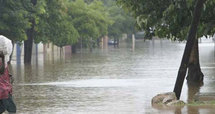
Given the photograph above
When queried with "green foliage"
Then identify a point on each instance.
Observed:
(13, 21)
(54, 25)
(207, 20)
(91, 20)
(119, 21)
(101, 16)
(63, 22)
(35, 13)
(170, 18)
(122, 21)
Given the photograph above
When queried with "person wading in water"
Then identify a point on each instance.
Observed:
(6, 101)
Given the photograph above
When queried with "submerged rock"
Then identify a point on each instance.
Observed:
(176, 103)
(163, 98)
(168, 99)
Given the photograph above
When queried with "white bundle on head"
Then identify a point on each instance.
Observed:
(6, 47)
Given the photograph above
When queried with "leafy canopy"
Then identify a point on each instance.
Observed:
(13, 21)
(169, 18)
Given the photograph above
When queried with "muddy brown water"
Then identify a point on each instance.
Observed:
(109, 81)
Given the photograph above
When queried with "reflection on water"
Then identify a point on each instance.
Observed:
(107, 81)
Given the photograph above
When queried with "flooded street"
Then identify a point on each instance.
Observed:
(109, 81)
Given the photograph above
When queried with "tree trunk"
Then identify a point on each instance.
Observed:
(117, 43)
(188, 48)
(74, 47)
(91, 45)
(114, 42)
(194, 71)
(98, 42)
(29, 42)
(61, 51)
(193, 88)
(28, 46)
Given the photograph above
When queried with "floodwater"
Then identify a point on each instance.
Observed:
(109, 81)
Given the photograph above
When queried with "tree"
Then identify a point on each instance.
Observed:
(189, 45)
(148, 14)
(101, 16)
(120, 21)
(12, 20)
(34, 8)
(123, 22)
(90, 20)
(50, 22)
(56, 25)
(171, 19)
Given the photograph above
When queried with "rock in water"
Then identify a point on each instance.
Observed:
(164, 98)
(168, 99)
(176, 103)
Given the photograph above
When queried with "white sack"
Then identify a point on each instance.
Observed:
(6, 47)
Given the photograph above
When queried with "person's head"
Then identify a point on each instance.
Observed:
(2, 63)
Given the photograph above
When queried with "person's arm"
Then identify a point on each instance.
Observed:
(2, 63)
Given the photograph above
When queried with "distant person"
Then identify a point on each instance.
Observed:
(6, 101)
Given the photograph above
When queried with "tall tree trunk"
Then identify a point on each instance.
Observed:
(194, 70)
(117, 42)
(98, 42)
(28, 46)
(74, 47)
(188, 48)
(29, 42)
(91, 44)
(114, 42)
(61, 52)
(193, 88)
